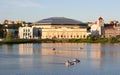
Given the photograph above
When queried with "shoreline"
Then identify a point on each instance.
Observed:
(19, 41)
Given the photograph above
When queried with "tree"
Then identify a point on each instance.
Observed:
(9, 35)
(1, 33)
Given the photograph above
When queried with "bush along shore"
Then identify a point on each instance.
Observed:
(101, 40)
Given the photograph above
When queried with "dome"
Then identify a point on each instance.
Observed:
(59, 20)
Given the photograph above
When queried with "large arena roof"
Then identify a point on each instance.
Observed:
(59, 20)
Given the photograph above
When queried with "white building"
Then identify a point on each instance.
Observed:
(98, 27)
(25, 32)
(61, 28)
(54, 28)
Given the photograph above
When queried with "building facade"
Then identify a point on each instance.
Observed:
(111, 31)
(98, 27)
(63, 33)
(60, 28)
(25, 32)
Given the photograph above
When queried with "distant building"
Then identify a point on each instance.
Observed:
(8, 22)
(20, 22)
(111, 30)
(25, 32)
(28, 32)
(98, 27)
(61, 28)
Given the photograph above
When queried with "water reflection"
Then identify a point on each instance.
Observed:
(98, 57)
(29, 49)
(67, 53)
(26, 49)
(87, 51)
(92, 51)
(26, 62)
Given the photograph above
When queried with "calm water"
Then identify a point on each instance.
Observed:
(40, 59)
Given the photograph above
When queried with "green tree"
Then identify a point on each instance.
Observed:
(1, 33)
(9, 35)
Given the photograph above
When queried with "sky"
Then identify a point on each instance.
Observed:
(83, 10)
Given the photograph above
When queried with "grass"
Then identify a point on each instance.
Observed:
(18, 41)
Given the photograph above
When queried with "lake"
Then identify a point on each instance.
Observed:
(41, 59)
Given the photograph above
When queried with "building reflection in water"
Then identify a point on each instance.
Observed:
(94, 52)
(65, 49)
(64, 53)
(96, 55)
(25, 49)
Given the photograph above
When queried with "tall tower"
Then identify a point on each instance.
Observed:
(100, 23)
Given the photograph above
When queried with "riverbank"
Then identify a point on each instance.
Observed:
(18, 41)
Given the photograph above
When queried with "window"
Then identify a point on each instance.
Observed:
(28, 30)
(23, 30)
(23, 34)
(74, 36)
(28, 34)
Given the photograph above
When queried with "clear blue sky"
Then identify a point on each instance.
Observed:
(83, 10)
